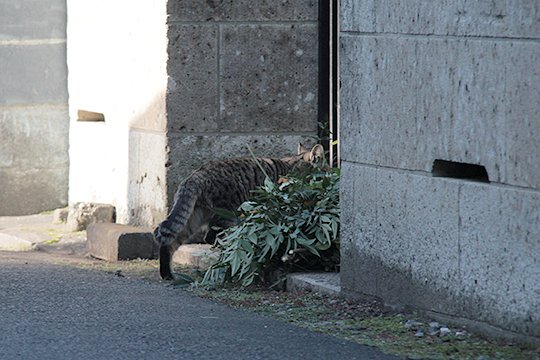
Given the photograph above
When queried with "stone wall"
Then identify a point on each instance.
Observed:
(456, 81)
(240, 72)
(33, 106)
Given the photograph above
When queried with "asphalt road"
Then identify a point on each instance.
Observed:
(60, 312)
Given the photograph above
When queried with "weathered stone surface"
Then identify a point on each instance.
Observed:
(192, 95)
(33, 158)
(60, 215)
(499, 263)
(498, 18)
(269, 77)
(46, 126)
(196, 255)
(462, 100)
(444, 245)
(83, 214)
(31, 191)
(389, 224)
(189, 152)
(33, 74)
(522, 110)
(244, 10)
(114, 242)
(34, 19)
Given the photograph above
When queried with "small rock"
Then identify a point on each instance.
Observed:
(461, 333)
(419, 333)
(60, 216)
(434, 324)
(412, 324)
(444, 331)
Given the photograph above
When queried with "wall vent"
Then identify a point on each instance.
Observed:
(83, 115)
(457, 170)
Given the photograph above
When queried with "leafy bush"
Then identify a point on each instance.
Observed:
(289, 225)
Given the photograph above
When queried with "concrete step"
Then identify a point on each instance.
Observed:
(113, 242)
(323, 282)
(201, 256)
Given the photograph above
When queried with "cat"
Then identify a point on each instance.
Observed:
(223, 184)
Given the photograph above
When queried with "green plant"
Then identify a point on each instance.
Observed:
(293, 223)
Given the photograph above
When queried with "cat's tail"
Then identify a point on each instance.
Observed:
(184, 203)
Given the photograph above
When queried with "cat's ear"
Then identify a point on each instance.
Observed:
(301, 149)
(317, 153)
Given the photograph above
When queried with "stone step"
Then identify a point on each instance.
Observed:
(201, 256)
(115, 242)
(322, 282)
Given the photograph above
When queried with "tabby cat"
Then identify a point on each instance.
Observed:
(221, 184)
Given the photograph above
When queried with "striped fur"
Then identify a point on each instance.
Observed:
(218, 184)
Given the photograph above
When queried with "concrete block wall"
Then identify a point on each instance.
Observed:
(33, 106)
(240, 72)
(455, 81)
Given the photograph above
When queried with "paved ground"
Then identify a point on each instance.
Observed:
(60, 312)
(51, 311)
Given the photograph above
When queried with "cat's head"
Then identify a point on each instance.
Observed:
(306, 156)
(313, 155)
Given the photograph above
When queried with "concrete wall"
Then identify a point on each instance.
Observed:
(33, 106)
(456, 81)
(240, 72)
(117, 57)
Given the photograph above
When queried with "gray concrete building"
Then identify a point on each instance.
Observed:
(33, 106)
(440, 124)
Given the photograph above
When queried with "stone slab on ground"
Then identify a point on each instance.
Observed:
(323, 282)
(14, 243)
(113, 242)
(201, 256)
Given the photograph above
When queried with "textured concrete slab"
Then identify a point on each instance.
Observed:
(33, 19)
(192, 94)
(269, 77)
(243, 10)
(453, 247)
(113, 242)
(499, 262)
(33, 158)
(462, 103)
(196, 255)
(323, 283)
(33, 74)
(497, 18)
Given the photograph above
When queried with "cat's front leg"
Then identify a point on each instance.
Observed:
(165, 260)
